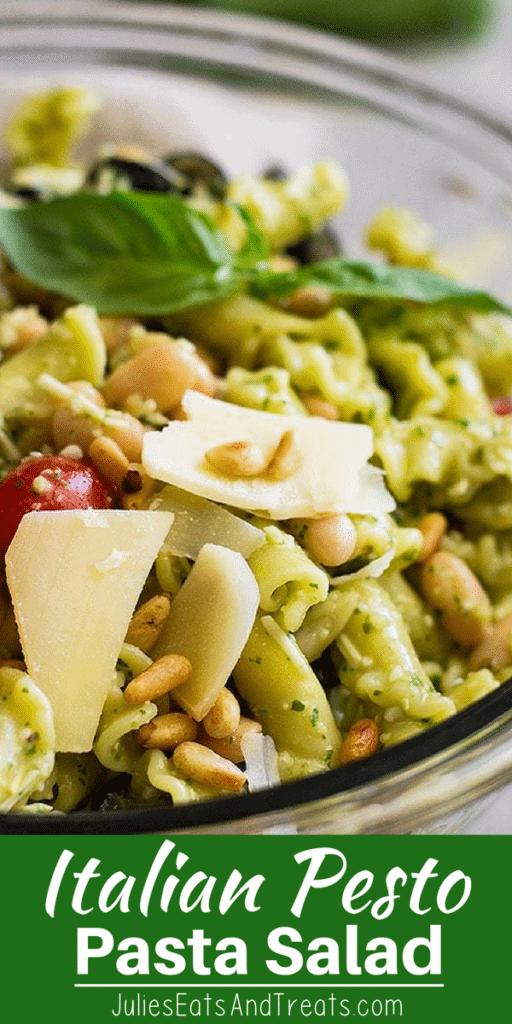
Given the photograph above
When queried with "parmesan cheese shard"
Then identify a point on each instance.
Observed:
(332, 474)
(73, 597)
(209, 623)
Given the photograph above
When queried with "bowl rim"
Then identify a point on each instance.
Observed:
(440, 742)
(302, 40)
(424, 752)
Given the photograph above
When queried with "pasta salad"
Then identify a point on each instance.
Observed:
(255, 498)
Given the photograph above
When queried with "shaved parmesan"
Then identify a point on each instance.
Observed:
(332, 475)
(74, 578)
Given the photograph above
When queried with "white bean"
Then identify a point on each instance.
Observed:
(70, 427)
(331, 540)
(162, 372)
(495, 651)
(449, 585)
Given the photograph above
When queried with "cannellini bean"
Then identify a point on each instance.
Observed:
(238, 458)
(165, 732)
(433, 526)
(331, 540)
(309, 301)
(80, 429)
(161, 677)
(318, 406)
(223, 717)
(203, 765)
(286, 458)
(21, 327)
(495, 651)
(70, 427)
(449, 585)
(147, 622)
(361, 741)
(115, 330)
(161, 372)
(230, 746)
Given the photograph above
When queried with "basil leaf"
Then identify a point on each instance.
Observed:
(147, 255)
(128, 252)
(377, 281)
(256, 249)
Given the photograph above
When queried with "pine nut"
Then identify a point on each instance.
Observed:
(361, 741)
(449, 585)
(147, 622)
(224, 716)
(161, 677)
(281, 264)
(433, 527)
(72, 451)
(286, 458)
(318, 406)
(136, 487)
(331, 540)
(127, 432)
(109, 459)
(165, 732)
(309, 301)
(230, 746)
(495, 651)
(203, 765)
(238, 458)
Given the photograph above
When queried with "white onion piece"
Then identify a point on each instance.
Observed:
(198, 521)
(372, 570)
(260, 757)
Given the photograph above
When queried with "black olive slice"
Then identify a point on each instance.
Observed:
(197, 170)
(142, 177)
(321, 245)
(275, 173)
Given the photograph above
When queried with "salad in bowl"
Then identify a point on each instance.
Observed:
(255, 496)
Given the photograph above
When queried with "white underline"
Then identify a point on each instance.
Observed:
(259, 984)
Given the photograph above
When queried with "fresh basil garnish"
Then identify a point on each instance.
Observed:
(145, 254)
(127, 252)
(347, 279)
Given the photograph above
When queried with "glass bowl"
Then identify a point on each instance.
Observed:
(251, 93)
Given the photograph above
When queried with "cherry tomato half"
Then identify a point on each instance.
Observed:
(48, 483)
(502, 406)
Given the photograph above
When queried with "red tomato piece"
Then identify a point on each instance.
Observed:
(48, 483)
(502, 406)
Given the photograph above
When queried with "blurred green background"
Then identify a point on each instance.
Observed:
(383, 22)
